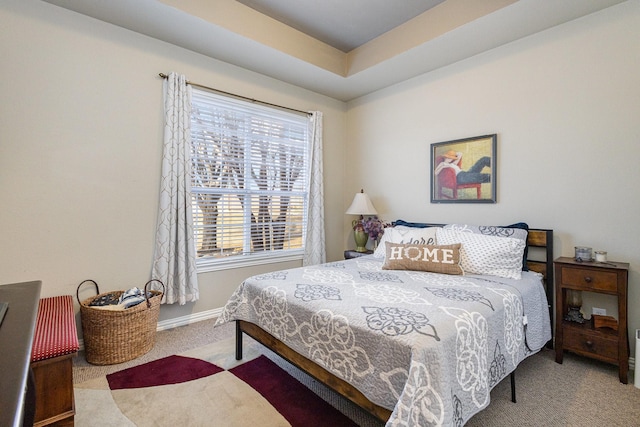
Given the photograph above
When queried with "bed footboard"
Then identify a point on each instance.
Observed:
(322, 375)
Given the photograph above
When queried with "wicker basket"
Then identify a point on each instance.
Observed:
(116, 336)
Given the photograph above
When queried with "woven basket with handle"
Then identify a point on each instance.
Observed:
(116, 336)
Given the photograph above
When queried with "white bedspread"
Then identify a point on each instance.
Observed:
(428, 346)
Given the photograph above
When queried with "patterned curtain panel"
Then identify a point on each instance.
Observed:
(174, 258)
(315, 252)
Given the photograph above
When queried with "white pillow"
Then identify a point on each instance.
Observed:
(404, 234)
(482, 254)
(381, 248)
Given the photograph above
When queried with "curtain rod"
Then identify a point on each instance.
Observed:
(256, 101)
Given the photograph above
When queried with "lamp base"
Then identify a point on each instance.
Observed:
(361, 239)
(574, 315)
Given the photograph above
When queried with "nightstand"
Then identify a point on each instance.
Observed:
(351, 253)
(603, 344)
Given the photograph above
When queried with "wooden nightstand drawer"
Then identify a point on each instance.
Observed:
(585, 342)
(590, 279)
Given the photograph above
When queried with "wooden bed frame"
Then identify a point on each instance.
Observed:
(537, 238)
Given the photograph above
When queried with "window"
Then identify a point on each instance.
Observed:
(250, 181)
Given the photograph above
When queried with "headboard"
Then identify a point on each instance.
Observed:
(543, 239)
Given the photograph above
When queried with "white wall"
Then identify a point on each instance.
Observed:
(81, 125)
(565, 104)
(80, 148)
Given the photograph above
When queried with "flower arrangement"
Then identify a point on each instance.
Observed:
(374, 227)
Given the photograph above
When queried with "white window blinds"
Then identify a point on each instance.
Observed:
(250, 178)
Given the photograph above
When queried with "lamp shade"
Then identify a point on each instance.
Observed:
(361, 205)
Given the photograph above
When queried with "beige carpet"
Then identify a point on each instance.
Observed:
(580, 392)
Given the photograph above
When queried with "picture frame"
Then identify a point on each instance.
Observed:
(464, 170)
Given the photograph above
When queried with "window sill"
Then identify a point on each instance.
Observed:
(208, 265)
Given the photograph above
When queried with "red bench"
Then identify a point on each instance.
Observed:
(55, 343)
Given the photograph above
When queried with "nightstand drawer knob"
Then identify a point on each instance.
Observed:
(588, 279)
(589, 344)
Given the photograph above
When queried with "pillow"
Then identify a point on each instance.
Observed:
(523, 226)
(412, 224)
(519, 230)
(443, 259)
(402, 234)
(485, 254)
(386, 237)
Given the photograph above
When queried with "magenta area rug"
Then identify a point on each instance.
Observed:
(186, 391)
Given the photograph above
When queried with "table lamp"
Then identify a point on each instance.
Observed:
(361, 205)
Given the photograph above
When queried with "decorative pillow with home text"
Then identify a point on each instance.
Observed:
(443, 259)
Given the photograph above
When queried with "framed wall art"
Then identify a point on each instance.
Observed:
(464, 170)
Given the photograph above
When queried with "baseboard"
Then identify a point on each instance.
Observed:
(187, 320)
(163, 325)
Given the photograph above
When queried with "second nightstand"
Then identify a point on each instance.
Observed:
(352, 253)
(603, 344)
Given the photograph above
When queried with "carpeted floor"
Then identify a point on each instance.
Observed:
(96, 406)
(580, 392)
(199, 392)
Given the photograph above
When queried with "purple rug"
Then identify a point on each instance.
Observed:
(290, 397)
(294, 401)
(169, 370)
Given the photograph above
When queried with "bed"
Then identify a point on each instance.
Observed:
(412, 346)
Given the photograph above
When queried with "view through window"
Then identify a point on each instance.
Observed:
(250, 179)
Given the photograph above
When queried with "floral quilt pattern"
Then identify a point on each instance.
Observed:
(429, 347)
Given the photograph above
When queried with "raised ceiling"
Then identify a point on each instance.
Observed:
(342, 24)
(319, 54)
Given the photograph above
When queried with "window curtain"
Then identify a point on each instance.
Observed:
(174, 257)
(315, 252)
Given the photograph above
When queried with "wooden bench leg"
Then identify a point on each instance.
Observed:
(53, 378)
